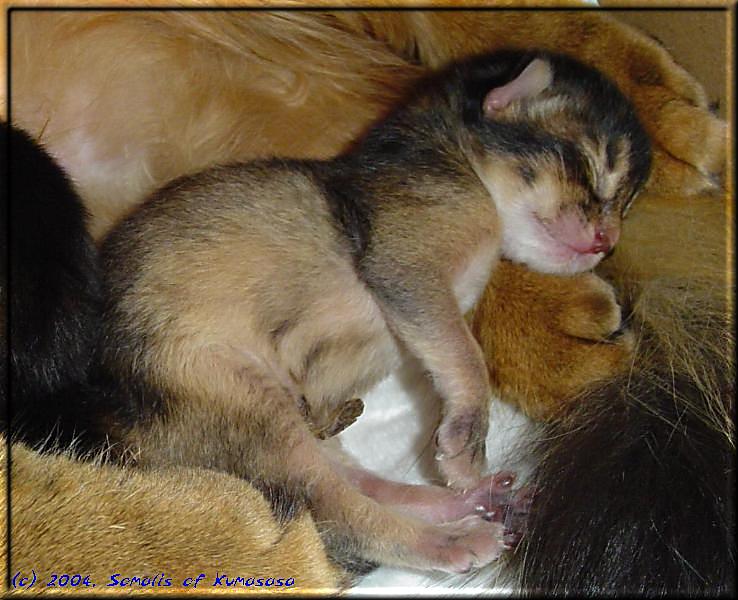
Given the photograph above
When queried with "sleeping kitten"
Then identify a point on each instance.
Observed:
(234, 293)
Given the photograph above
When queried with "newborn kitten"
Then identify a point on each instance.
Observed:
(234, 293)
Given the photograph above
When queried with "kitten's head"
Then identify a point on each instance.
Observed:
(561, 152)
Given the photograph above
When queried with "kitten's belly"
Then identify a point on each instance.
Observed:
(343, 346)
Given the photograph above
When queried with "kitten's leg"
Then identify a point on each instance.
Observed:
(238, 419)
(421, 274)
(494, 499)
(433, 329)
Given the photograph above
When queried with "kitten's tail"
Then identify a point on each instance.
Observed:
(635, 483)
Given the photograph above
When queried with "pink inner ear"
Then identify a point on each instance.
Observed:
(535, 78)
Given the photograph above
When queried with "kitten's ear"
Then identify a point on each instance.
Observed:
(535, 78)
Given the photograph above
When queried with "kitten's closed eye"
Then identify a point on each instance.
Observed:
(550, 222)
(562, 163)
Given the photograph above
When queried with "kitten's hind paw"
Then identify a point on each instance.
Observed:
(463, 545)
(492, 497)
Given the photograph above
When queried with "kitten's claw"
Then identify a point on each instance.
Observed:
(493, 496)
(461, 448)
(515, 519)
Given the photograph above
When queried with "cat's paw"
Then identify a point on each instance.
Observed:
(689, 148)
(689, 142)
(590, 312)
(332, 420)
(460, 447)
(547, 338)
(464, 545)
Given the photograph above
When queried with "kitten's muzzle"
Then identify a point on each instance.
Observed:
(584, 237)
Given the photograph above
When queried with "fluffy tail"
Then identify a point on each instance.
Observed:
(635, 483)
(634, 495)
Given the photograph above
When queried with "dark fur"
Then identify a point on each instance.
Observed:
(54, 300)
(596, 103)
(635, 488)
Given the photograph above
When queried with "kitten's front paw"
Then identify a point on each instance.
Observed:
(548, 338)
(460, 447)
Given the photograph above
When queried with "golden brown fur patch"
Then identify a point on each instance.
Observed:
(100, 520)
(294, 104)
(547, 337)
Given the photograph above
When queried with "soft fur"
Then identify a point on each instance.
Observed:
(348, 259)
(124, 522)
(54, 318)
(54, 304)
(380, 55)
(290, 101)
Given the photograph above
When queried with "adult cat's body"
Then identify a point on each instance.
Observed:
(235, 292)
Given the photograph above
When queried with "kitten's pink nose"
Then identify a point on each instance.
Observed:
(605, 239)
